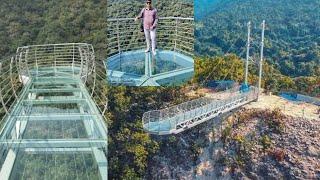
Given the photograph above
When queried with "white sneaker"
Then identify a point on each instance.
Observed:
(154, 52)
(147, 50)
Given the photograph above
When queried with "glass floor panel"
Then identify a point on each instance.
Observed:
(131, 63)
(137, 68)
(52, 86)
(165, 126)
(55, 165)
(49, 71)
(54, 108)
(166, 61)
(54, 131)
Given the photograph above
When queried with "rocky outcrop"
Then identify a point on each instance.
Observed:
(248, 144)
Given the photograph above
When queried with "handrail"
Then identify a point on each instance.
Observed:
(30, 60)
(44, 45)
(169, 17)
(79, 55)
(201, 99)
(175, 115)
(173, 33)
(52, 82)
(9, 70)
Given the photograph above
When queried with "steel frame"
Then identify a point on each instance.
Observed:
(191, 113)
(36, 75)
(174, 34)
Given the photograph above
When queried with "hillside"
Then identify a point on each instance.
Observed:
(254, 142)
(39, 22)
(204, 7)
(231, 67)
(130, 9)
(292, 34)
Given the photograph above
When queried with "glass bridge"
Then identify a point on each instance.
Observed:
(52, 123)
(176, 119)
(128, 64)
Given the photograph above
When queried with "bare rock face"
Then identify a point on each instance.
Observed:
(302, 143)
(294, 153)
(248, 144)
(313, 152)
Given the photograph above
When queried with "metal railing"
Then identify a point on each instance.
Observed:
(33, 60)
(56, 83)
(300, 97)
(10, 86)
(76, 59)
(191, 113)
(173, 33)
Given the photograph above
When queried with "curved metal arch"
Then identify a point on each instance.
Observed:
(29, 58)
(1, 95)
(37, 63)
(55, 55)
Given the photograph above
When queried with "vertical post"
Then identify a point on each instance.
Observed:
(85, 65)
(248, 53)
(150, 64)
(176, 35)
(88, 59)
(146, 66)
(19, 64)
(1, 96)
(55, 60)
(118, 41)
(261, 57)
(36, 57)
(26, 55)
(94, 80)
(81, 58)
(73, 59)
(11, 80)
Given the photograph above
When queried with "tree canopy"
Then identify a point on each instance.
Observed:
(292, 32)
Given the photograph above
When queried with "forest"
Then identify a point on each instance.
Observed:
(130, 9)
(32, 22)
(292, 32)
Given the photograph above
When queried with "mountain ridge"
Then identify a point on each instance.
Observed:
(292, 34)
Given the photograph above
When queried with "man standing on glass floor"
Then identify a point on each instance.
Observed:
(150, 20)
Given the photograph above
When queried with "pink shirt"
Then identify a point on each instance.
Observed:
(150, 18)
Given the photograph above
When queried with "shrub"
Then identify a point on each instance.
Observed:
(226, 133)
(278, 154)
(240, 161)
(172, 140)
(265, 142)
(223, 160)
(213, 133)
(239, 138)
(275, 121)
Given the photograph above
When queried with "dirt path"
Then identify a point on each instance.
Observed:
(290, 108)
